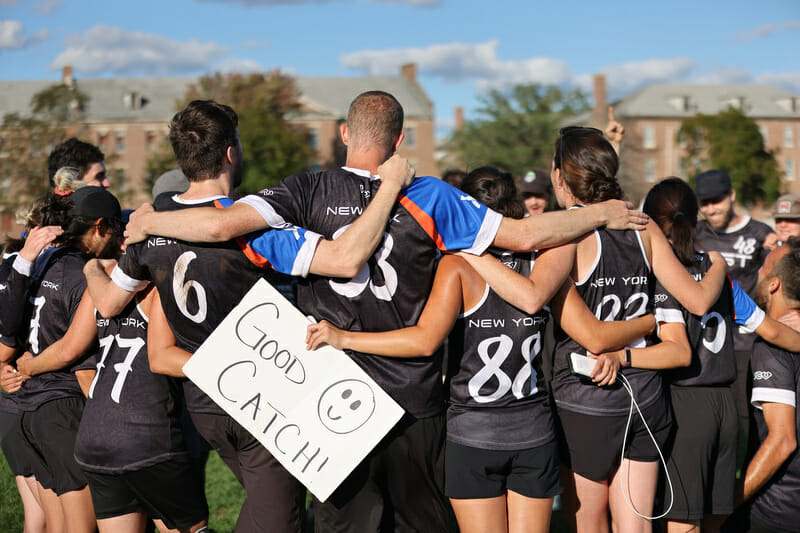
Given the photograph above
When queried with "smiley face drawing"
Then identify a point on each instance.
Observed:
(346, 405)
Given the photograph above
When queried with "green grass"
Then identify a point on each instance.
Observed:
(11, 517)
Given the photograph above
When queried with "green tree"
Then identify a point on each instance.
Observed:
(273, 148)
(732, 142)
(515, 130)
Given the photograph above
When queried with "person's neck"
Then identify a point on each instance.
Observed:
(735, 220)
(220, 186)
(778, 307)
(369, 159)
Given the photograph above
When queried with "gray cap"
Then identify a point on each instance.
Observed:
(711, 184)
(787, 206)
(171, 181)
(536, 181)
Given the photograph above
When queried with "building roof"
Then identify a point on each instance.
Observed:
(681, 101)
(111, 99)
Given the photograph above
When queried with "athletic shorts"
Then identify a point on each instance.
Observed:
(15, 449)
(49, 435)
(472, 473)
(399, 486)
(167, 491)
(702, 453)
(591, 444)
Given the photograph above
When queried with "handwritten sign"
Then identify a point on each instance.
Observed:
(317, 412)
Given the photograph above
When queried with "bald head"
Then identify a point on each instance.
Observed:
(374, 121)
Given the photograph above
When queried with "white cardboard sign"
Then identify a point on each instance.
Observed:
(317, 412)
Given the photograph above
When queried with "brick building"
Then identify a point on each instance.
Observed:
(127, 118)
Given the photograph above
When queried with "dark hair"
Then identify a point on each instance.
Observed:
(787, 269)
(72, 153)
(454, 177)
(496, 190)
(375, 118)
(590, 165)
(200, 135)
(47, 210)
(671, 203)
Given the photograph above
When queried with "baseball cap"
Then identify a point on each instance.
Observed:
(170, 181)
(711, 184)
(787, 206)
(535, 181)
(94, 202)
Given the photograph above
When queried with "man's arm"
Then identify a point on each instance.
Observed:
(560, 227)
(108, 297)
(781, 441)
(164, 357)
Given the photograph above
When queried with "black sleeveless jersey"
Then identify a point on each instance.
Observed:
(710, 335)
(132, 417)
(617, 288)
(55, 289)
(199, 284)
(742, 246)
(390, 291)
(497, 396)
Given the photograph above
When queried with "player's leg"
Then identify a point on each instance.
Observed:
(480, 515)
(34, 514)
(528, 515)
(78, 511)
(53, 512)
(638, 480)
(591, 497)
(534, 480)
(128, 523)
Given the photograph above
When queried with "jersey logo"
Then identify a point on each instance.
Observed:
(50, 285)
(468, 198)
(344, 210)
(761, 375)
(658, 298)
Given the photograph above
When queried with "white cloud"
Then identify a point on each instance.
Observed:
(632, 76)
(454, 62)
(766, 30)
(12, 35)
(235, 64)
(47, 7)
(268, 3)
(254, 44)
(788, 81)
(118, 51)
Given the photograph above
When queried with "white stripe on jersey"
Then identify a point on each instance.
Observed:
(125, 282)
(768, 395)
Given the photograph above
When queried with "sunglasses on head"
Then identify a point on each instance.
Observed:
(565, 131)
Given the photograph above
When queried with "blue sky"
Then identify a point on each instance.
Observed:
(462, 47)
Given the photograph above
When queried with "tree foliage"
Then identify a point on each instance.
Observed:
(732, 142)
(26, 142)
(273, 148)
(516, 130)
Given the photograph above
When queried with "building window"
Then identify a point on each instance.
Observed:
(649, 137)
(763, 130)
(789, 176)
(119, 142)
(411, 137)
(5, 186)
(788, 137)
(313, 137)
(151, 140)
(650, 171)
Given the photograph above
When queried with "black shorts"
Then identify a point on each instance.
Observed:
(15, 449)
(49, 435)
(702, 453)
(591, 444)
(168, 491)
(472, 473)
(398, 487)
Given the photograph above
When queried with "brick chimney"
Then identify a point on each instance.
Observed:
(409, 72)
(66, 76)
(459, 118)
(600, 115)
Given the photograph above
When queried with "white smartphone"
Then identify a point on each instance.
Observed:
(581, 364)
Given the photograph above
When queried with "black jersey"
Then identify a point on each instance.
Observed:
(776, 379)
(199, 284)
(8, 402)
(498, 399)
(390, 291)
(131, 419)
(55, 289)
(710, 336)
(742, 246)
(617, 288)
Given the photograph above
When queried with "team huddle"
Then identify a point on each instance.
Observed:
(595, 352)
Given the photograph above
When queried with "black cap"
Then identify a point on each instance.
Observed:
(535, 182)
(94, 202)
(711, 184)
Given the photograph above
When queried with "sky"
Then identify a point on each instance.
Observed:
(463, 48)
